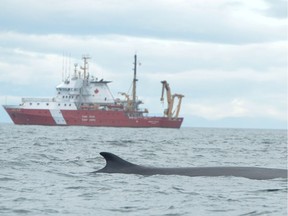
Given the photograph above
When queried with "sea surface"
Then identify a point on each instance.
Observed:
(48, 171)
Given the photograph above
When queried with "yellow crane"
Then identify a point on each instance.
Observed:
(170, 101)
(129, 101)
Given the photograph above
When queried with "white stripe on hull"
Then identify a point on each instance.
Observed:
(58, 117)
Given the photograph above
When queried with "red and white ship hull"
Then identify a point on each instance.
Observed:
(84, 100)
(105, 118)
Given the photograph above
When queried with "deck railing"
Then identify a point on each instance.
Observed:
(38, 100)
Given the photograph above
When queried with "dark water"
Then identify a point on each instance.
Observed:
(47, 171)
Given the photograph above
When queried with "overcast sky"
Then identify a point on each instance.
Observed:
(228, 57)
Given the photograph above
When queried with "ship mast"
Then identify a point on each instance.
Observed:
(85, 67)
(134, 83)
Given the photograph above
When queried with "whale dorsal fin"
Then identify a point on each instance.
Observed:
(114, 163)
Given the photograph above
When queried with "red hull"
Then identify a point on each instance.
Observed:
(100, 118)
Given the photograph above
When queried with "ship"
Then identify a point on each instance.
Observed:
(83, 100)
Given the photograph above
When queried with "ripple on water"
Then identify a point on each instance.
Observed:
(48, 171)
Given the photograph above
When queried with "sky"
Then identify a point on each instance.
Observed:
(228, 57)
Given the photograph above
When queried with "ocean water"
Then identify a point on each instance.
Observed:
(48, 171)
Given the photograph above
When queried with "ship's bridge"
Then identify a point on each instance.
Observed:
(72, 86)
(69, 90)
(84, 91)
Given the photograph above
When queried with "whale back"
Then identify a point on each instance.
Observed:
(115, 164)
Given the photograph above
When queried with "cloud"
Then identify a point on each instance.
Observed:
(276, 9)
(215, 21)
(19, 67)
(237, 107)
(191, 54)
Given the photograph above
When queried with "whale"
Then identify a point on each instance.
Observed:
(115, 164)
